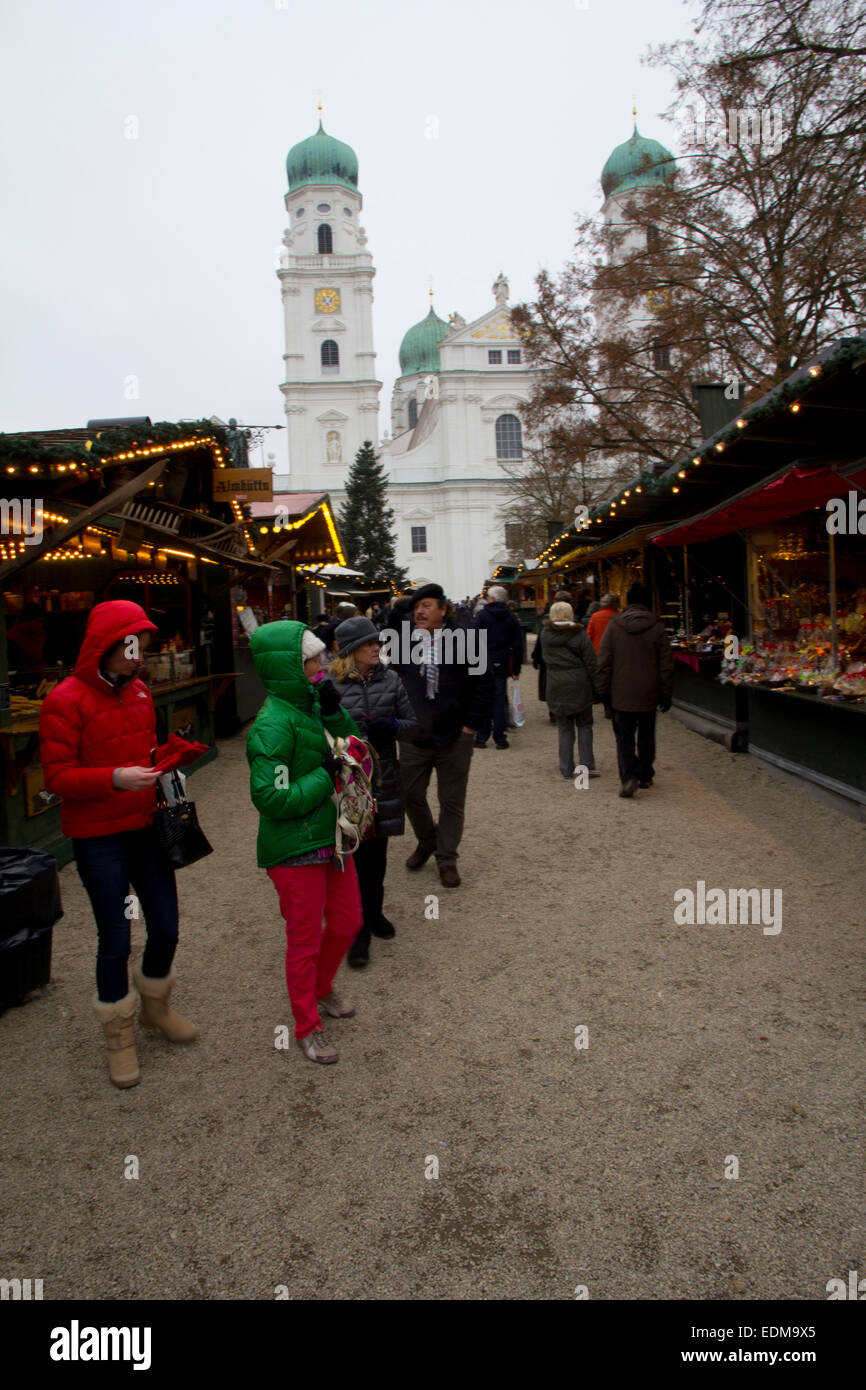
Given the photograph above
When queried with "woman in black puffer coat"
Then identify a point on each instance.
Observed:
(376, 698)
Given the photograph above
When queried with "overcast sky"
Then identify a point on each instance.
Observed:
(154, 257)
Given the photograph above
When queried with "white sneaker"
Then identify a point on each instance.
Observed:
(335, 1006)
(317, 1049)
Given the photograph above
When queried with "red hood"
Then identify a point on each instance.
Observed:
(108, 623)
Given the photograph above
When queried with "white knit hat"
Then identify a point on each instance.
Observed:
(310, 645)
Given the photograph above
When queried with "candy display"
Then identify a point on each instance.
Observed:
(806, 663)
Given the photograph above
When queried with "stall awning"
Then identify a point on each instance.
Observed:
(631, 540)
(794, 489)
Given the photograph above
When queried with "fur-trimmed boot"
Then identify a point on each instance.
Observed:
(118, 1024)
(156, 1012)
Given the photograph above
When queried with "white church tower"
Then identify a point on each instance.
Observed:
(329, 385)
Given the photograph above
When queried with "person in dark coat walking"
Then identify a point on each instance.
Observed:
(504, 639)
(376, 698)
(450, 694)
(635, 675)
(561, 596)
(570, 661)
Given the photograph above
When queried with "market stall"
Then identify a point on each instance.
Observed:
(805, 633)
(297, 531)
(95, 514)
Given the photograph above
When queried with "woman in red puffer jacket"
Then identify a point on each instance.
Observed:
(98, 734)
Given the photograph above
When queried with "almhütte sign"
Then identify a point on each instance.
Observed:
(254, 484)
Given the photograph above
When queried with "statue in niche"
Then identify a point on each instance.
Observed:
(335, 448)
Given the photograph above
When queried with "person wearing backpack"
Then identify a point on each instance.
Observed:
(292, 777)
(376, 698)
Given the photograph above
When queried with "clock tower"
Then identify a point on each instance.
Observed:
(329, 385)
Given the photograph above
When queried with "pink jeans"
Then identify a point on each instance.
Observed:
(313, 954)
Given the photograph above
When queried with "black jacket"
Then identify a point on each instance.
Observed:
(461, 699)
(504, 636)
(382, 696)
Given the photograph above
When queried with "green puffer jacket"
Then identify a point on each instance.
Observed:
(290, 789)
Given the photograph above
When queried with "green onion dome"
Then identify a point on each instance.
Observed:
(637, 163)
(419, 350)
(322, 159)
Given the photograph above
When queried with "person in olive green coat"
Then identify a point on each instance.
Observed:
(292, 772)
(571, 662)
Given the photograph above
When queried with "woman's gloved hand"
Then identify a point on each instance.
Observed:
(329, 696)
(332, 764)
(383, 726)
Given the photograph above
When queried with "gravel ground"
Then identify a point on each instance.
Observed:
(558, 1167)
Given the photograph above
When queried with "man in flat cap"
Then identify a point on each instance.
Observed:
(450, 695)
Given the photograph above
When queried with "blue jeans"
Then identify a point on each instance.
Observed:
(107, 865)
(500, 703)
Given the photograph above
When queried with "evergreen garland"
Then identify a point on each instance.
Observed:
(654, 484)
(105, 444)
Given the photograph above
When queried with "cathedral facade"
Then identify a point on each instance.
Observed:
(456, 429)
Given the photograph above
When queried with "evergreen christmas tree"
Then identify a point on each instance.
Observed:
(367, 522)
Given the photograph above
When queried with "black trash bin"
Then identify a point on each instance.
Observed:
(29, 907)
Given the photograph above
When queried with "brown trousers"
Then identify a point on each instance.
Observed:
(452, 775)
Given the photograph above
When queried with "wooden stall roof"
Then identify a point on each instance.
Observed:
(814, 414)
(301, 524)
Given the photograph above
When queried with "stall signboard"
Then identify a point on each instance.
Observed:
(250, 484)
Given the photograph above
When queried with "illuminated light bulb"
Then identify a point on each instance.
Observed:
(795, 407)
(741, 424)
(814, 371)
(720, 447)
(638, 489)
(676, 489)
(682, 473)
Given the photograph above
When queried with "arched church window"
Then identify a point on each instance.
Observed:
(334, 446)
(509, 438)
(326, 240)
(330, 356)
(661, 355)
(413, 412)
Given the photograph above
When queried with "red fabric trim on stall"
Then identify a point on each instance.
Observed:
(795, 491)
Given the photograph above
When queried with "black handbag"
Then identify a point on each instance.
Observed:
(177, 827)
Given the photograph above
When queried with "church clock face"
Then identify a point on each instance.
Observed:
(327, 301)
